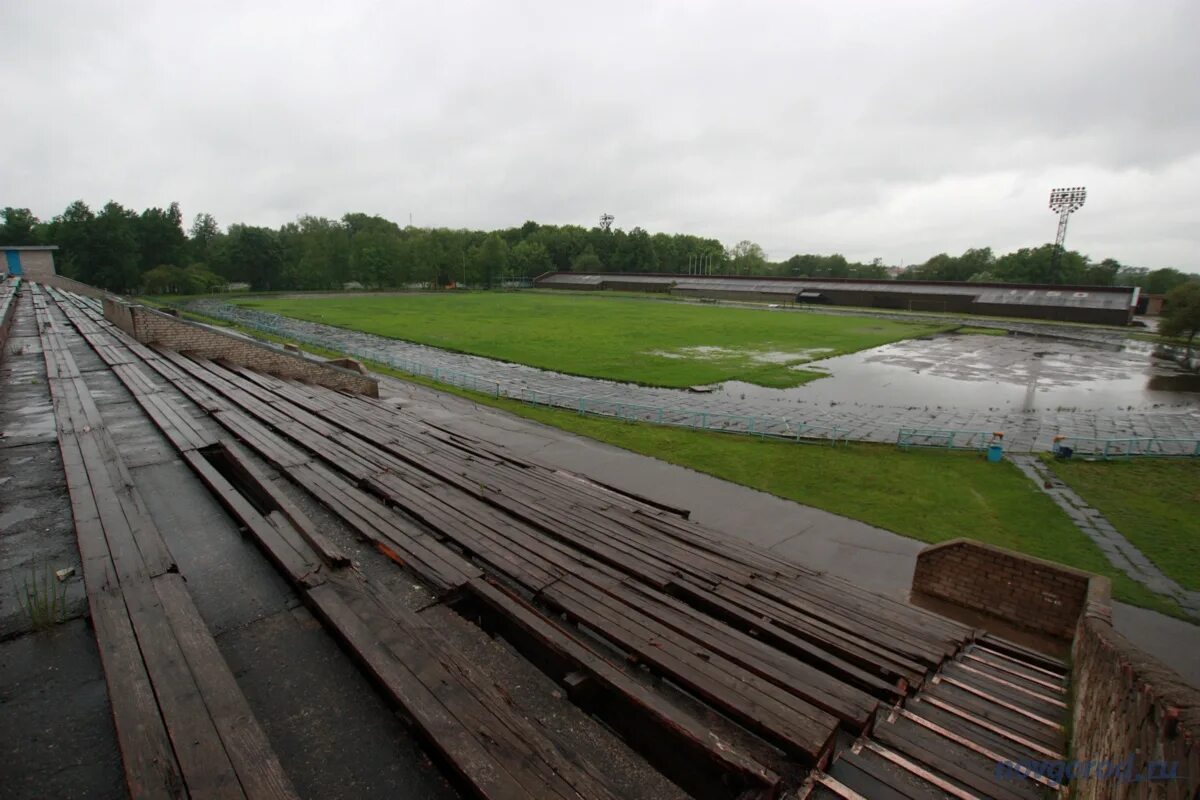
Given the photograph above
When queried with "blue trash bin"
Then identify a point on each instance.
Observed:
(995, 452)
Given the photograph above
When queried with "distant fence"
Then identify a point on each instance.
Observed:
(945, 438)
(1133, 447)
(763, 427)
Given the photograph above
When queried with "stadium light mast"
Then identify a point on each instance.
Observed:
(1064, 202)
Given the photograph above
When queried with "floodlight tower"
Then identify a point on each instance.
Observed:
(1064, 202)
(606, 221)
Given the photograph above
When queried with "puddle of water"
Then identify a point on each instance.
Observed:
(760, 356)
(988, 372)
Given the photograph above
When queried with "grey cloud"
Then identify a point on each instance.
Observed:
(886, 129)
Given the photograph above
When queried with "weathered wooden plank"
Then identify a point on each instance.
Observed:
(460, 749)
(801, 729)
(300, 565)
(251, 476)
(950, 759)
(158, 656)
(258, 769)
(683, 747)
(151, 769)
(404, 543)
(523, 751)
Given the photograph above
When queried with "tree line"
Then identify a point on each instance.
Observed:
(150, 251)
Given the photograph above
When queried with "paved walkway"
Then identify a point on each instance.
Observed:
(1024, 432)
(1120, 552)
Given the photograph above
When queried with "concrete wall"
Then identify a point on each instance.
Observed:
(1028, 592)
(71, 285)
(154, 327)
(1127, 703)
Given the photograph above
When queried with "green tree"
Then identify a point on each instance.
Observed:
(530, 259)
(72, 232)
(587, 261)
(1181, 312)
(491, 259)
(315, 253)
(747, 258)
(198, 280)
(373, 256)
(114, 252)
(201, 235)
(1036, 265)
(258, 257)
(20, 227)
(634, 252)
(1162, 281)
(1102, 274)
(160, 236)
(163, 279)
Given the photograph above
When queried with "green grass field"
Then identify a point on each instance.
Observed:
(1154, 503)
(671, 344)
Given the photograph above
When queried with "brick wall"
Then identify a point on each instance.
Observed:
(8, 309)
(1124, 702)
(154, 327)
(1128, 703)
(120, 313)
(1028, 592)
(37, 264)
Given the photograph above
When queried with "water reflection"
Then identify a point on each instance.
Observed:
(991, 372)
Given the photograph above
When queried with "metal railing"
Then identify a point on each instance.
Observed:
(763, 427)
(1133, 447)
(945, 438)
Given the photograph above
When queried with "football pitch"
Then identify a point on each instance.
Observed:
(617, 338)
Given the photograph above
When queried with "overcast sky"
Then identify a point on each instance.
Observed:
(888, 129)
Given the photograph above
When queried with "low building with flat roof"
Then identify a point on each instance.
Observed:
(28, 261)
(1108, 305)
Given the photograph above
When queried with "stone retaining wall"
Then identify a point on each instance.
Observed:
(154, 327)
(1028, 592)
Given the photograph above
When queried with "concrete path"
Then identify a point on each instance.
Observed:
(1024, 432)
(1120, 552)
(873, 558)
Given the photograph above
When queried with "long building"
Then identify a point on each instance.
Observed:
(1107, 305)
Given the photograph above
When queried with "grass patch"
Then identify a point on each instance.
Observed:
(973, 331)
(43, 598)
(1154, 503)
(671, 344)
(928, 495)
